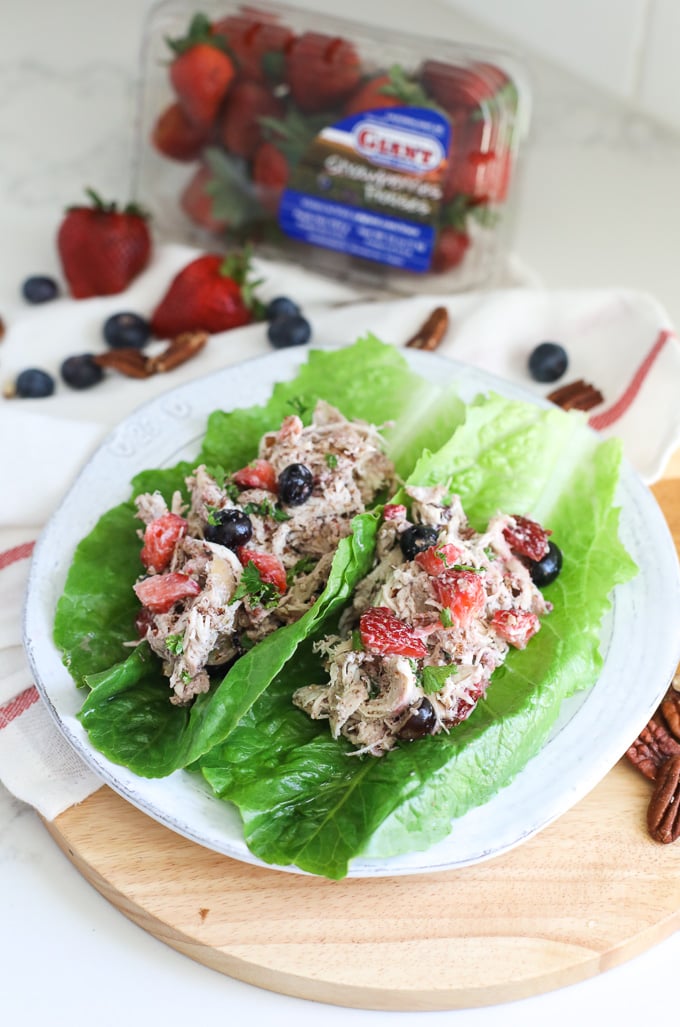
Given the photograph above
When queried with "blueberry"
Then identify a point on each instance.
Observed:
(423, 721)
(233, 529)
(546, 570)
(280, 307)
(81, 372)
(126, 329)
(295, 484)
(34, 384)
(417, 539)
(39, 289)
(548, 362)
(288, 330)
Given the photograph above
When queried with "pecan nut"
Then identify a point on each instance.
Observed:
(663, 813)
(180, 349)
(578, 395)
(653, 747)
(670, 708)
(431, 332)
(127, 360)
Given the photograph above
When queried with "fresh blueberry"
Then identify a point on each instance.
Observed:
(34, 384)
(280, 307)
(81, 372)
(295, 484)
(548, 362)
(546, 570)
(417, 539)
(289, 330)
(39, 289)
(126, 329)
(233, 529)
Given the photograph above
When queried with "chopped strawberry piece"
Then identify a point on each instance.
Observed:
(258, 475)
(143, 621)
(162, 591)
(271, 570)
(160, 538)
(394, 512)
(527, 538)
(437, 559)
(515, 626)
(462, 593)
(381, 632)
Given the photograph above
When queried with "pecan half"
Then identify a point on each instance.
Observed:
(652, 748)
(180, 349)
(663, 814)
(431, 332)
(127, 360)
(670, 709)
(578, 395)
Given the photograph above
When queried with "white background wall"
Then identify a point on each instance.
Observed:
(630, 48)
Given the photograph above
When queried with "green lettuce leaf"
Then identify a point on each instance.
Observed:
(128, 714)
(305, 801)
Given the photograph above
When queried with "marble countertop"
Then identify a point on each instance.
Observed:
(598, 208)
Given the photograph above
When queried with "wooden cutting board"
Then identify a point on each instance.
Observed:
(587, 893)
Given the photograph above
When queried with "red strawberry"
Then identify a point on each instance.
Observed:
(175, 136)
(160, 538)
(479, 175)
(515, 626)
(321, 71)
(240, 129)
(459, 89)
(462, 593)
(394, 512)
(206, 295)
(256, 42)
(449, 249)
(197, 202)
(527, 538)
(270, 568)
(372, 95)
(436, 559)
(381, 632)
(101, 248)
(270, 175)
(201, 73)
(258, 475)
(162, 591)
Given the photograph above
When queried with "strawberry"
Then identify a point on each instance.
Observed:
(239, 129)
(462, 593)
(176, 137)
(259, 474)
(257, 44)
(201, 73)
(162, 591)
(209, 294)
(437, 559)
(197, 201)
(527, 538)
(101, 248)
(160, 538)
(391, 89)
(515, 626)
(271, 172)
(271, 569)
(478, 174)
(321, 71)
(461, 89)
(394, 512)
(382, 632)
(449, 249)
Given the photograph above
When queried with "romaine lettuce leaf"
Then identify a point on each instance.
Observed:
(305, 801)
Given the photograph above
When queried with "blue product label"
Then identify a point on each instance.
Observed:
(370, 186)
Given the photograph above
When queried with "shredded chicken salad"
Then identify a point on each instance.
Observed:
(430, 623)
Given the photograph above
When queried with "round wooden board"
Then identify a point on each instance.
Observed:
(587, 893)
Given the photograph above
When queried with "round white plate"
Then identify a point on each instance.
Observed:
(640, 642)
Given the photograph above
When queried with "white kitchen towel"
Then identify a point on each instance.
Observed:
(619, 341)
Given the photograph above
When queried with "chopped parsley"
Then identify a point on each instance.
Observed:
(232, 490)
(266, 509)
(303, 566)
(252, 587)
(175, 644)
(213, 515)
(331, 460)
(357, 644)
(445, 617)
(465, 567)
(186, 677)
(300, 405)
(434, 678)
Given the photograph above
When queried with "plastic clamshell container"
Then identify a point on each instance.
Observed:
(363, 153)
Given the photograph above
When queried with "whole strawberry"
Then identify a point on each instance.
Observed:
(321, 71)
(201, 72)
(210, 294)
(102, 249)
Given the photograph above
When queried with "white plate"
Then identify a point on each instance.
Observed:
(640, 641)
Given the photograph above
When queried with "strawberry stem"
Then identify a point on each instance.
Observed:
(200, 31)
(98, 203)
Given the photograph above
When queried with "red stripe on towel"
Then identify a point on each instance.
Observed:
(18, 706)
(11, 556)
(618, 409)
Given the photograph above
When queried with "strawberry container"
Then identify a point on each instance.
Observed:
(384, 159)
